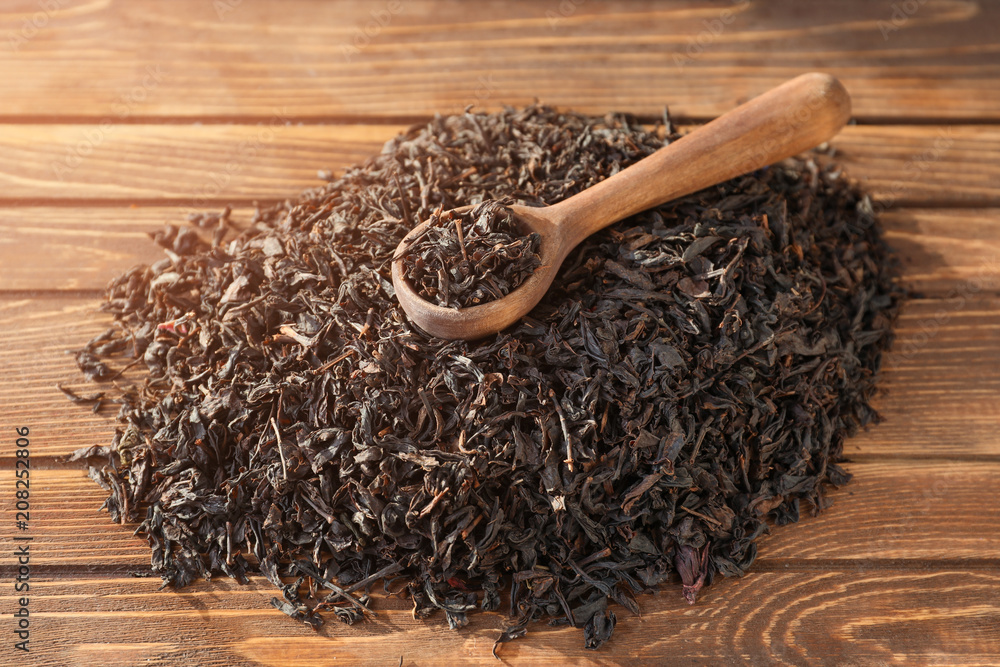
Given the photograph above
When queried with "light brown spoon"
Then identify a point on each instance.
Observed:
(797, 115)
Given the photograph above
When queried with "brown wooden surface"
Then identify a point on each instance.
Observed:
(793, 615)
(190, 166)
(939, 397)
(945, 251)
(890, 512)
(437, 55)
(116, 118)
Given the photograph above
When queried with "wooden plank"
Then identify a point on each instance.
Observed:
(910, 165)
(939, 398)
(926, 509)
(943, 252)
(184, 164)
(191, 166)
(796, 617)
(60, 248)
(946, 252)
(234, 60)
(69, 531)
(894, 510)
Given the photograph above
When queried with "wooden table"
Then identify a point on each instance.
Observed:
(118, 117)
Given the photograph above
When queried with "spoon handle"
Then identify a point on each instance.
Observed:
(797, 115)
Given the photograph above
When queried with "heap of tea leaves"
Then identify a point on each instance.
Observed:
(466, 259)
(692, 374)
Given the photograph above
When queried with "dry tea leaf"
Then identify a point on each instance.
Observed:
(691, 375)
(467, 259)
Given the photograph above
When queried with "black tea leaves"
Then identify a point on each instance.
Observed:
(691, 375)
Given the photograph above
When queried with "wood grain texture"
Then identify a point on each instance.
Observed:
(939, 399)
(187, 165)
(313, 60)
(74, 248)
(69, 531)
(855, 616)
(942, 252)
(193, 166)
(891, 511)
(119, 116)
(946, 252)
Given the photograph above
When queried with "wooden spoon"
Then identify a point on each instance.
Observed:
(797, 115)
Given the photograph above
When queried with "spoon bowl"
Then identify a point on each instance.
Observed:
(797, 115)
(481, 320)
